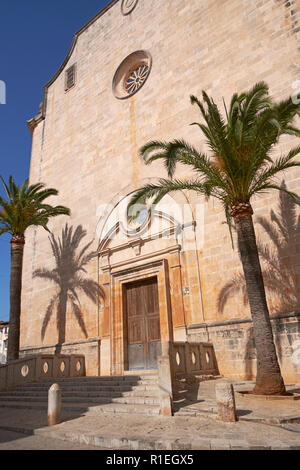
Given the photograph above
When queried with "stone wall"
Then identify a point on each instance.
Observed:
(86, 142)
(235, 346)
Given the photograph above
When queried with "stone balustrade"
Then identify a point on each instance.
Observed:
(192, 358)
(32, 369)
(181, 359)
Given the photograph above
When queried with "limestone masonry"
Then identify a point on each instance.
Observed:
(126, 80)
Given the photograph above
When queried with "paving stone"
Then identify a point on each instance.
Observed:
(139, 431)
(259, 447)
(220, 444)
(201, 444)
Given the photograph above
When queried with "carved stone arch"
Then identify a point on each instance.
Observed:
(182, 218)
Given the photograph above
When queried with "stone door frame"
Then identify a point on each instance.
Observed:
(157, 268)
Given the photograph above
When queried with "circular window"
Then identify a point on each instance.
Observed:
(131, 74)
(128, 6)
(136, 79)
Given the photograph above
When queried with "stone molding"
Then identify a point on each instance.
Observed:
(129, 262)
(71, 343)
(128, 6)
(179, 197)
(237, 321)
(126, 67)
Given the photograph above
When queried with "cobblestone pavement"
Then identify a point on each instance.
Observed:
(10, 440)
(249, 408)
(152, 432)
(180, 432)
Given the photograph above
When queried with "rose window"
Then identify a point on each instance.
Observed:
(131, 74)
(136, 79)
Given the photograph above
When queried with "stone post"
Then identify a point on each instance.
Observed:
(3, 378)
(165, 381)
(54, 405)
(187, 357)
(38, 367)
(226, 402)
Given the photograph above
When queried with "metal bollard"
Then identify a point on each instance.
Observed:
(226, 402)
(54, 405)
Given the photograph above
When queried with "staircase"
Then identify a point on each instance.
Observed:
(188, 393)
(117, 394)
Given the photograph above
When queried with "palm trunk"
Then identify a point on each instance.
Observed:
(269, 380)
(17, 248)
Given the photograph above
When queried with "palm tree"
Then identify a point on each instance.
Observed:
(68, 276)
(23, 208)
(279, 274)
(238, 167)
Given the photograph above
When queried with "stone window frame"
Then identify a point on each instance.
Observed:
(126, 68)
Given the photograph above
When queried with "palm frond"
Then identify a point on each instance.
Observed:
(157, 191)
(25, 206)
(239, 164)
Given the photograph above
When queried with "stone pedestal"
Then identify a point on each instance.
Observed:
(54, 405)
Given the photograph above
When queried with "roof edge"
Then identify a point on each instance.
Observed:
(34, 121)
(76, 35)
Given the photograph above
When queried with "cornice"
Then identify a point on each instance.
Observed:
(32, 123)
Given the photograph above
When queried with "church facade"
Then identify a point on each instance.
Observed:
(116, 291)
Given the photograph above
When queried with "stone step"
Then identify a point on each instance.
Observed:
(113, 379)
(88, 389)
(78, 399)
(80, 393)
(93, 383)
(83, 407)
(212, 412)
(126, 408)
(122, 394)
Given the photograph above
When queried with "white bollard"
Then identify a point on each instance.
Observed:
(54, 405)
(226, 402)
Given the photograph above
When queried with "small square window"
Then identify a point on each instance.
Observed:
(70, 77)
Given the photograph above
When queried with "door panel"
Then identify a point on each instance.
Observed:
(143, 324)
(153, 352)
(136, 359)
(153, 324)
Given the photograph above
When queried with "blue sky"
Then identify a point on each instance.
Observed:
(35, 37)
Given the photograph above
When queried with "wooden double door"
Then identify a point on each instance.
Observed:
(142, 324)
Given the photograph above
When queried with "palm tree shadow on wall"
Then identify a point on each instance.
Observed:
(279, 261)
(68, 275)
